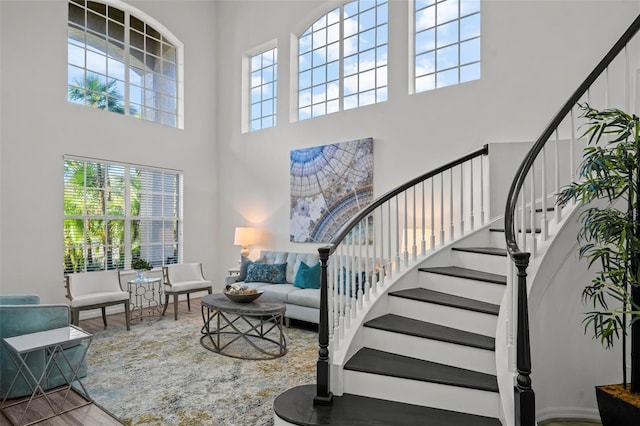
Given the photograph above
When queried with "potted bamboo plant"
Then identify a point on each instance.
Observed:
(610, 241)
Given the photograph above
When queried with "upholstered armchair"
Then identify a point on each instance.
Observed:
(93, 290)
(23, 314)
(183, 278)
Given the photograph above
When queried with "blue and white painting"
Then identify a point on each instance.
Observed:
(329, 185)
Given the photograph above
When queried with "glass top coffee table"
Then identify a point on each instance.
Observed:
(243, 330)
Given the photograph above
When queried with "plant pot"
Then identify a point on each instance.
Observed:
(139, 274)
(615, 411)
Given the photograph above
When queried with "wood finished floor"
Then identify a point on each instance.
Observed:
(93, 415)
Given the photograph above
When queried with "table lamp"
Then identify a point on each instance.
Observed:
(244, 237)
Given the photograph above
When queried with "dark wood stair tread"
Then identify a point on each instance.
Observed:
(527, 230)
(373, 361)
(492, 251)
(296, 406)
(412, 327)
(445, 299)
(471, 274)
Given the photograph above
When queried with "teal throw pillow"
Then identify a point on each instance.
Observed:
(307, 276)
(272, 273)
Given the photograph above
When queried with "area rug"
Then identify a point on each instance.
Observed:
(158, 373)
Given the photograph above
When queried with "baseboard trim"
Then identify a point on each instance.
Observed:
(567, 413)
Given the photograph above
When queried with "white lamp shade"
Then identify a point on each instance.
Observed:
(244, 237)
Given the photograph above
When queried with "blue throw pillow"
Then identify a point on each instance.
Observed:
(307, 276)
(272, 273)
(244, 265)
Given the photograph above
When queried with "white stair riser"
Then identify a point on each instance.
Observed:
(471, 289)
(426, 394)
(497, 239)
(475, 322)
(431, 350)
(479, 261)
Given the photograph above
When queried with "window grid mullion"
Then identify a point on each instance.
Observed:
(127, 215)
(341, 61)
(127, 67)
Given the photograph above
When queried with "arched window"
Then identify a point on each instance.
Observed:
(447, 43)
(342, 59)
(123, 61)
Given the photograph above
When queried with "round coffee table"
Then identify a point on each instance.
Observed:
(243, 330)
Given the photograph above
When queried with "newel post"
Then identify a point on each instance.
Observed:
(323, 395)
(524, 397)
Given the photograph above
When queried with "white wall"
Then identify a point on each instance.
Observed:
(533, 57)
(39, 126)
(560, 348)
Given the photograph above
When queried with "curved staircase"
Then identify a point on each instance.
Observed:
(430, 358)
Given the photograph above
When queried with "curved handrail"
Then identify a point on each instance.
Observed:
(527, 163)
(397, 191)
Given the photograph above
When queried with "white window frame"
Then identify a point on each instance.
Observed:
(154, 195)
(247, 85)
(337, 103)
(130, 11)
(419, 7)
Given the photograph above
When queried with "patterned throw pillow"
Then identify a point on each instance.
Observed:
(244, 265)
(273, 273)
(308, 276)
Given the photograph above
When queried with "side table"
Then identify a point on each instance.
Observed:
(145, 299)
(52, 342)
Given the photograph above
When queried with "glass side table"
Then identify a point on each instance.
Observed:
(52, 342)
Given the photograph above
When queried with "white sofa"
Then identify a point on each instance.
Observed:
(302, 303)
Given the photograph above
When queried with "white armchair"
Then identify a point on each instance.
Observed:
(93, 290)
(183, 278)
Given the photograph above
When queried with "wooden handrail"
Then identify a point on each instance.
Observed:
(399, 190)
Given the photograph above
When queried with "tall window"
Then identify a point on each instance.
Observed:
(362, 51)
(114, 213)
(264, 88)
(447, 43)
(121, 63)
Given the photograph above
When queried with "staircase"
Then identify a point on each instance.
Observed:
(435, 347)
(430, 358)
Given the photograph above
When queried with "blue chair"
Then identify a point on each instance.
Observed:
(23, 314)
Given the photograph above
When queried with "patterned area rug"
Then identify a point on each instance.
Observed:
(159, 374)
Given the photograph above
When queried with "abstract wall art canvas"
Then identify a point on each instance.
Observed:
(329, 185)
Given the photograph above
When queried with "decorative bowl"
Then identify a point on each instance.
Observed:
(243, 298)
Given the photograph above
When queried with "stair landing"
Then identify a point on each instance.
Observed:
(295, 406)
